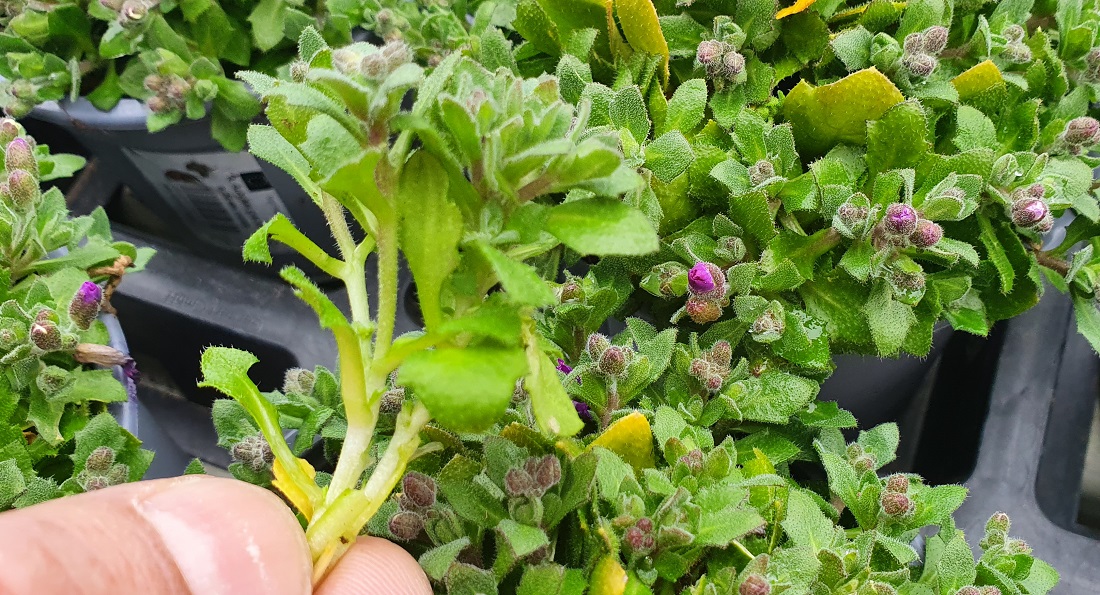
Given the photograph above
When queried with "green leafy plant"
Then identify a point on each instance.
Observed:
(56, 436)
(177, 57)
(485, 180)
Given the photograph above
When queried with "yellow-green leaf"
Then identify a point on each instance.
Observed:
(638, 19)
(631, 438)
(822, 117)
(795, 8)
(982, 87)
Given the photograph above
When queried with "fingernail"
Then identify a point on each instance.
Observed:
(228, 537)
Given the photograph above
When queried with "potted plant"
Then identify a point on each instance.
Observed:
(532, 455)
(149, 88)
(777, 142)
(64, 362)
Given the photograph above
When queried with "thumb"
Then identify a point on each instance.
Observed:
(186, 535)
(375, 566)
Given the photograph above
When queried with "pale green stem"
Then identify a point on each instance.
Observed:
(387, 288)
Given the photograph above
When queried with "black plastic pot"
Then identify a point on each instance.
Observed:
(1032, 442)
(193, 191)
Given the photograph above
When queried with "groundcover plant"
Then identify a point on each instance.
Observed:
(177, 57)
(56, 275)
(760, 188)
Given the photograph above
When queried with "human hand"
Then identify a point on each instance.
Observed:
(189, 535)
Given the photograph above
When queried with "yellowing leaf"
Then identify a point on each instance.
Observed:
(823, 117)
(297, 496)
(608, 577)
(638, 19)
(631, 438)
(795, 8)
(982, 87)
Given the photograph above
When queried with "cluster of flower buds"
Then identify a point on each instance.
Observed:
(610, 360)
(299, 381)
(852, 219)
(19, 191)
(46, 335)
(902, 225)
(254, 452)
(1029, 210)
(640, 539)
(755, 584)
(374, 66)
(131, 13)
(895, 500)
(390, 25)
(1015, 50)
(731, 248)
(1080, 134)
(921, 49)
(972, 590)
(707, 288)
(761, 172)
(996, 536)
(1092, 65)
(169, 92)
(101, 470)
(861, 460)
(769, 326)
(534, 478)
(712, 368)
(721, 60)
(570, 292)
(416, 499)
(84, 307)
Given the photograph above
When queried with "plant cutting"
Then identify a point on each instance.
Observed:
(56, 434)
(177, 58)
(506, 483)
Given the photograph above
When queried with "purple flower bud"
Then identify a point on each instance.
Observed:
(417, 491)
(968, 590)
(897, 483)
(702, 310)
(754, 584)
(84, 306)
(612, 362)
(636, 541)
(119, 473)
(583, 410)
(254, 452)
(699, 279)
(46, 336)
(22, 190)
(998, 522)
(96, 482)
(1045, 224)
(645, 524)
(20, 155)
(101, 459)
(9, 131)
(721, 354)
(709, 51)
(597, 344)
(153, 82)
(1079, 131)
(989, 590)
(714, 383)
(518, 482)
(547, 472)
(935, 39)
(1027, 212)
(913, 43)
(864, 463)
(158, 104)
(919, 65)
(693, 459)
(571, 291)
(406, 526)
(896, 505)
(900, 219)
(699, 368)
(927, 234)
(908, 281)
(392, 401)
(733, 64)
(1018, 546)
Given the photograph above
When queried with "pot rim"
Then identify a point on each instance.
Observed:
(128, 115)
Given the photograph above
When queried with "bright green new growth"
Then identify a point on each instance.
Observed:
(56, 436)
(465, 187)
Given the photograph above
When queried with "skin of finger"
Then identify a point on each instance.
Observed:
(375, 566)
(186, 535)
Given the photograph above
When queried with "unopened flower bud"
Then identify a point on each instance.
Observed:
(1045, 224)
(517, 482)
(998, 522)
(755, 584)
(1027, 212)
(22, 190)
(53, 380)
(101, 459)
(9, 131)
(708, 52)
(132, 12)
(919, 65)
(346, 61)
(864, 463)
(706, 280)
(177, 89)
(547, 472)
(935, 39)
(254, 452)
(900, 219)
(927, 234)
(20, 155)
(968, 590)
(373, 66)
(1018, 546)
(1013, 33)
(850, 219)
(1080, 131)
(761, 171)
(406, 526)
(638, 542)
(768, 327)
(989, 590)
(571, 291)
(597, 344)
(299, 381)
(693, 459)
(396, 53)
(299, 70)
(897, 483)
(913, 43)
(733, 64)
(418, 490)
(702, 310)
(158, 104)
(392, 401)
(95, 482)
(895, 504)
(612, 362)
(854, 451)
(583, 410)
(699, 368)
(721, 354)
(118, 474)
(154, 83)
(1017, 53)
(84, 306)
(46, 336)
